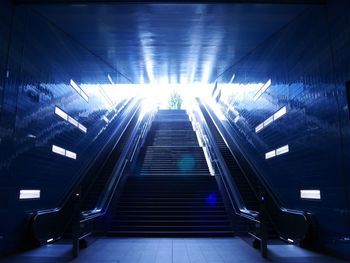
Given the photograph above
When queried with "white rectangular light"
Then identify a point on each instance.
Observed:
(82, 127)
(79, 90)
(262, 90)
(310, 194)
(73, 121)
(259, 127)
(29, 194)
(84, 95)
(282, 150)
(280, 113)
(58, 150)
(75, 86)
(61, 113)
(268, 121)
(105, 119)
(270, 154)
(71, 155)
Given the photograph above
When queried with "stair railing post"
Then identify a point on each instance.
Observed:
(76, 224)
(263, 225)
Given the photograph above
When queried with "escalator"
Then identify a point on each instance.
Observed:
(93, 184)
(281, 222)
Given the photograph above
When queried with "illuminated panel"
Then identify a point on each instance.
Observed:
(58, 150)
(280, 113)
(64, 152)
(310, 194)
(71, 155)
(270, 154)
(271, 119)
(268, 121)
(82, 128)
(70, 119)
(262, 90)
(282, 150)
(79, 90)
(259, 127)
(29, 194)
(61, 113)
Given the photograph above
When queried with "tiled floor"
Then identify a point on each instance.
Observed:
(166, 250)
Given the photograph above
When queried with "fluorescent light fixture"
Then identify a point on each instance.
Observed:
(282, 150)
(29, 194)
(310, 194)
(105, 119)
(280, 113)
(49, 240)
(270, 154)
(271, 119)
(58, 150)
(82, 128)
(236, 119)
(73, 121)
(278, 151)
(70, 119)
(71, 155)
(64, 152)
(262, 90)
(259, 127)
(61, 113)
(79, 90)
(290, 240)
(268, 121)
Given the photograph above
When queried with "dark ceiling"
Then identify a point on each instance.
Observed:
(175, 43)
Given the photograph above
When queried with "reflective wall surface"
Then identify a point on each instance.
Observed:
(305, 108)
(40, 108)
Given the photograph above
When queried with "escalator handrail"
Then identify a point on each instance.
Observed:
(126, 157)
(251, 166)
(128, 107)
(235, 201)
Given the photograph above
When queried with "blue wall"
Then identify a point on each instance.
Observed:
(40, 62)
(308, 62)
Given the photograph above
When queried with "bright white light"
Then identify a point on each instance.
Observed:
(270, 154)
(310, 194)
(282, 150)
(64, 152)
(29, 194)
(82, 128)
(79, 90)
(262, 90)
(61, 113)
(49, 240)
(58, 150)
(236, 119)
(105, 119)
(71, 155)
(73, 121)
(290, 240)
(280, 113)
(268, 121)
(75, 86)
(259, 127)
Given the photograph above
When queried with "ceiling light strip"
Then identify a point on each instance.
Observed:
(64, 152)
(279, 151)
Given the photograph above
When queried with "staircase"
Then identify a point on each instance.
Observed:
(171, 192)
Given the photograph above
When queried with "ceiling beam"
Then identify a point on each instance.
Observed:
(298, 2)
